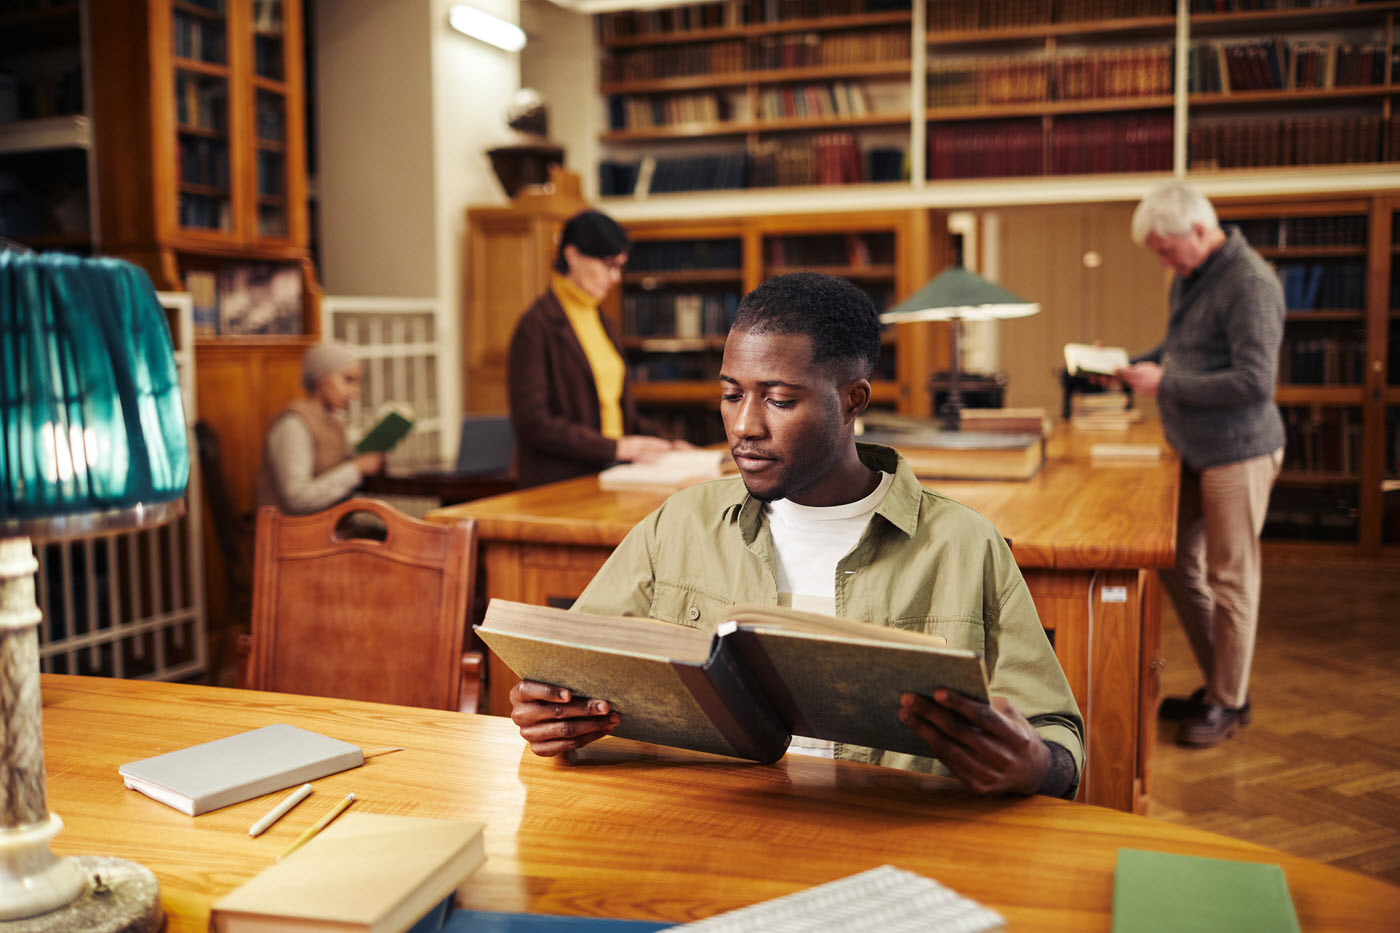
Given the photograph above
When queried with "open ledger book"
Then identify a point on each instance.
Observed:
(1087, 358)
(767, 673)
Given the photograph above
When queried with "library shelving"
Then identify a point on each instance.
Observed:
(45, 126)
(685, 279)
(1336, 261)
(743, 94)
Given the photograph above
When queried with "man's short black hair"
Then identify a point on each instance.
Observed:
(839, 318)
(592, 233)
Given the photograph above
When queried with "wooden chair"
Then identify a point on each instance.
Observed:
(363, 619)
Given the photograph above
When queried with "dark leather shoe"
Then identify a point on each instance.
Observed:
(1176, 709)
(1211, 726)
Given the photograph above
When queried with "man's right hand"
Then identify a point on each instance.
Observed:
(553, 722)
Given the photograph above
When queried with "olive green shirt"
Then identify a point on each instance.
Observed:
(924, 563)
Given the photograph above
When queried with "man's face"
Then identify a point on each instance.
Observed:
(1181, 254)
(783, 417)
(595, 275)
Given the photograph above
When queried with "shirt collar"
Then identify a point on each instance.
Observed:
(900, 506)
(573, 299)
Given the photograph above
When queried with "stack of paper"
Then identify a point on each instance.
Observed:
(673, 470)
(887, 899)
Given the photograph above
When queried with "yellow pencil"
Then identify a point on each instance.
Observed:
(321, 824)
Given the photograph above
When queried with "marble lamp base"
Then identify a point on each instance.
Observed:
(119, 897)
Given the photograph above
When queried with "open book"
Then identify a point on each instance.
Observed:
(395, 422)
(1087, 358)
(767, 673)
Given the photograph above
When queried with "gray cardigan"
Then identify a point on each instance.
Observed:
(1220, 359)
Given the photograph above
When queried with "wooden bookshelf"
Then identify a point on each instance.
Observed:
(685, 278)
(1336, 260)
(1011, 89)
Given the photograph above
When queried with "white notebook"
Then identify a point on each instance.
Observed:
(887, 899)
(239, 767)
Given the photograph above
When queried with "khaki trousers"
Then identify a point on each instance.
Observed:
(1214, 586)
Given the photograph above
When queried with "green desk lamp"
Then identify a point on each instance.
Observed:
(92, 438)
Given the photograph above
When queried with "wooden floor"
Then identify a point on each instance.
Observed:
(1317, 773)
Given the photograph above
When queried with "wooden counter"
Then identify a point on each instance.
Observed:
(630, 831)
(1086, 537)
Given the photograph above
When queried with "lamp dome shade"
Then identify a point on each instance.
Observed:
(92, 426)
(959, 293)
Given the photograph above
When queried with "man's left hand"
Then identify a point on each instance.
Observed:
(991, 748)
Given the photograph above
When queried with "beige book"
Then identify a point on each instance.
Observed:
(1087, 358)
(765, 674)
(366, 872)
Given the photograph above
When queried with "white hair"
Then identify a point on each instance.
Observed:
(1172, 208)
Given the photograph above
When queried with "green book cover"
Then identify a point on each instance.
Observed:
(1157, 892)
(389, 431)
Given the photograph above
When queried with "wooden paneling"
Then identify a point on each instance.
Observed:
(1092, 283)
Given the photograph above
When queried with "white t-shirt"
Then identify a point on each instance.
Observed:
(808, 542)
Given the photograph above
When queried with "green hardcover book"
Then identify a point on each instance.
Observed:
(1157, 892)
(765, 674)
(391, 429)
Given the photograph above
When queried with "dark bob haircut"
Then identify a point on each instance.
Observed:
(592, 233)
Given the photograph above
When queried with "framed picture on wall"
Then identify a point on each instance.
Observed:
(260, 298)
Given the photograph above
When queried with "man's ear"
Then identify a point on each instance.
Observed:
(855, 398)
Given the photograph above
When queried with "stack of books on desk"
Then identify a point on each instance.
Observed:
(1006, 420)
(934, 453)
(1104, 411)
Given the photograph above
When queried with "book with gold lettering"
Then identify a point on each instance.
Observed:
(765, 674)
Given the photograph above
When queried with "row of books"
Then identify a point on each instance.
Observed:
(1286, 232)
(959, 16)
(1332, 361)
(198, 38)
(272, 174)
(204, 161)
(1137, 72)
(858, 250)
(833, 99)
(1132, 143)
(825, 159)
(637, 113)
(201, 102)
(632, 24)
(268, 56)
(204, 212)
(1321, 438)
(1312, 513)
(763, 53)
(1278, 64)
(25, 96)
(1308, 286)
(678, 314)
(1253, 143)
(271, 123)
(1250, 6)
(681, 255)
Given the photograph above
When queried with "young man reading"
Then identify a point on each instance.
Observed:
(821, 523)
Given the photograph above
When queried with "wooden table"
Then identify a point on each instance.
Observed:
(437, 481)
(1087, 537)
(630, 831)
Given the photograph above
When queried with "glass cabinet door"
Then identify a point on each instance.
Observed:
(199, 35)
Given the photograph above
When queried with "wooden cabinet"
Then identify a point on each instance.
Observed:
(45, 127)
(200, 131)
(509, 256)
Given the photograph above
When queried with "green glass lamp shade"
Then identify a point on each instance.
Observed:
(958, 293)
(92, 427)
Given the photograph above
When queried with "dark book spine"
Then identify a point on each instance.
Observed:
(730, 696)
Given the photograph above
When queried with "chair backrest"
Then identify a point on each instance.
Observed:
(359, 618)
(487, 445)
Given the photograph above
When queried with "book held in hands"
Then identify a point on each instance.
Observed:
(395, 422)
(1088, 358)
(765, 674)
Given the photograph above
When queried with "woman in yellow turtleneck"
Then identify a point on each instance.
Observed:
(570, 404)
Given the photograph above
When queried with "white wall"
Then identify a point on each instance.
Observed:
(407, 108)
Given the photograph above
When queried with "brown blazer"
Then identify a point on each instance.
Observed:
(554, 399)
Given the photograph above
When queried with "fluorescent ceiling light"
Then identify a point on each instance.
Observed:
(487, 28)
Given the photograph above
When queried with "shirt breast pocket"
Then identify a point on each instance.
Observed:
(686, 606)
(963, 634)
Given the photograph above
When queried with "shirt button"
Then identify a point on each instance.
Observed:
(694, 613)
